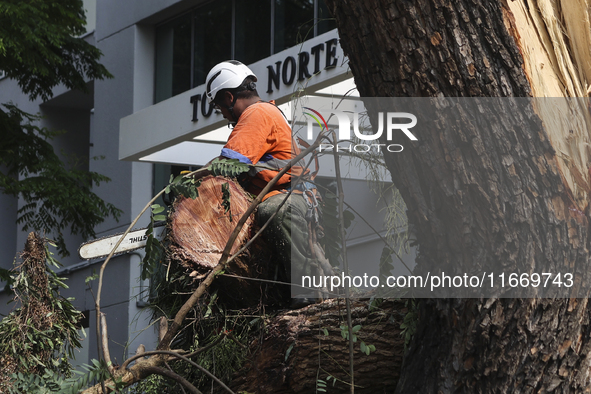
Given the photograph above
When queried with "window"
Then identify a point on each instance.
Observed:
(173, 57)
(188, 46)
(212, 37)
(325, 21)
(294, 23)
(253, 30)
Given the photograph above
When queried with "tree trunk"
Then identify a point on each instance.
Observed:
(198, 231)
(301, 346)
(514, 202)
(201, 227)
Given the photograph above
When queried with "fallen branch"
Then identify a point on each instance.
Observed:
(105, 344)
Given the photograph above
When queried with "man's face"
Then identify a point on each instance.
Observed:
(223, 104)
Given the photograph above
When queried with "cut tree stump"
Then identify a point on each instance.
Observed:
(201, 227)
(198, 232)
(295, 350)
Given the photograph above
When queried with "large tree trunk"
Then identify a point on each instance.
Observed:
(300, 347)
(459, 195)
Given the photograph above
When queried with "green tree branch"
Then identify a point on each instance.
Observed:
(56, 197)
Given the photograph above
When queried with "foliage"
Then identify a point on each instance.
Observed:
(411, 319)
(183, 185)
(38, 338)
(98, 371)
(55, 197)
(321, 384)
(355, 335)
(41, 47)
(153, 384)
(228, 356)
(395, 218)
(227, 167)
(51, 382)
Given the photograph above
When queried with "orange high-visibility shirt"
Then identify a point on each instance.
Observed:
(262, 136)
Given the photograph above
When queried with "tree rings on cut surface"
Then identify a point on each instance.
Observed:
(200, 228)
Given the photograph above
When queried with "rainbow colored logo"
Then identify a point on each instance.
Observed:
(315, 118)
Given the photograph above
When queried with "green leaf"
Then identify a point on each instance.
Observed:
(157, 209)
(348, 218)
(227, 167)
(289, 349)
(159, 218)
(90, 278)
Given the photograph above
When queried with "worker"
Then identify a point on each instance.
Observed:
(261, 135)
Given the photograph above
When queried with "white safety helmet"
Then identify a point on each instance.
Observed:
(226, 75)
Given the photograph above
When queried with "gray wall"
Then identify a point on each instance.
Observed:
(114, 16)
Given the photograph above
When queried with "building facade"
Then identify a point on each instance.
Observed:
(151, 120)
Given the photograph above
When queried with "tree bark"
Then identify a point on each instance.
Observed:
(477, 199)
(301, 346)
